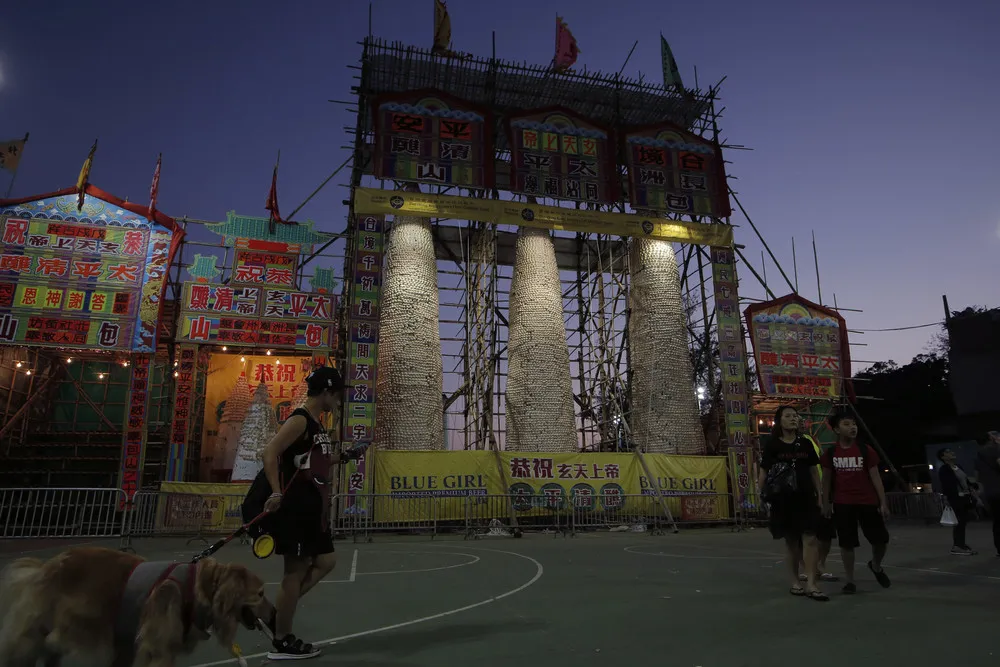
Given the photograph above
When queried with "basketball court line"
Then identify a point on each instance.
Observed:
(539, 571)
(354, 567)
(780, 559)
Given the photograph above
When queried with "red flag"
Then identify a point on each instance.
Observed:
(566, 47)
(272, 200)
(154, 188)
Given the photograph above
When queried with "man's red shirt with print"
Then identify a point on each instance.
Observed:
(852, 484)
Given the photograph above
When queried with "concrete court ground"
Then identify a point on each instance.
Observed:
(708, 598)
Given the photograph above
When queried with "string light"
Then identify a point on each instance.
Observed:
(177, 374)
(224, 348)
(19, 364)
(27, 372)
(69, 360)
(100, 376)
(268, 353)
(176, 363)
(243, 360)
(125, 364)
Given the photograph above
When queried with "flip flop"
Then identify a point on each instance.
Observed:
(797, 591)
(829, 576)
(818, 596)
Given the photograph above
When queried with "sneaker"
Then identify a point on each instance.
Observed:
(880, 576)
(962, 551)
(292, 648)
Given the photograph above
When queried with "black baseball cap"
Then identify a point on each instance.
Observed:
(324, 378)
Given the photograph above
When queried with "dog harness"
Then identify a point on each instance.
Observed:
(141, 582)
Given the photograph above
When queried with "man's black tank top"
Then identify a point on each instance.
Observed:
(306, 462)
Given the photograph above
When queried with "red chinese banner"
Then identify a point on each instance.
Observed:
(134, 445)
(184, 382)
(555, 153)
(252, 316)
(800, 347)
(429, 137)
(73, 284)
(674, 171)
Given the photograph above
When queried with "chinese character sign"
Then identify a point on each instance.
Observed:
(184, 383)
(362, 344)
(137, 409)
(674, 171)
(259, 268)
(429, 137)
(732, 359)
(224, 315)
(95, 284)
(556, 154)
(800, 347)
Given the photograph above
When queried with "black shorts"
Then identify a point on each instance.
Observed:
(794, 517)
(299, 528)
(826, 529)
(847, 519)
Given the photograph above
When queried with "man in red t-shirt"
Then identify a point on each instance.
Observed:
(852, 482)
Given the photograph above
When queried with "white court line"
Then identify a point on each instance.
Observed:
(539, 571)
(475, 559)
(830, 557)
(354, 573)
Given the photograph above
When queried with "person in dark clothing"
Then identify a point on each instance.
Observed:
(958, 493)
(790, 462)
(299, 464)
(854, 495)
(988, 476)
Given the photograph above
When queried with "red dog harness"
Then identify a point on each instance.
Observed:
(141, 583)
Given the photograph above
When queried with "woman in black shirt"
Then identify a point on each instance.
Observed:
(789, 481)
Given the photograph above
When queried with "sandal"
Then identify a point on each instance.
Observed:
(797, 591)
(818, 596)
(292, 648)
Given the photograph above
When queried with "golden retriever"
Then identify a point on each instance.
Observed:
(71, 605)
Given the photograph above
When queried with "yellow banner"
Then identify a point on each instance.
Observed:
(450, 485)
(697, 486)
(197, 508)
(372, 201)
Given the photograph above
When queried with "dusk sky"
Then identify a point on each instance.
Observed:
(872, 123)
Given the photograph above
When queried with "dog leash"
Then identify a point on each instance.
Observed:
(352, 455)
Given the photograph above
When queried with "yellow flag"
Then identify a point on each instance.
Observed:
(442, 26)
(10, 153)
(84, 179)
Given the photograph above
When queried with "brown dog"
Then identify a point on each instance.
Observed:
(119, 609)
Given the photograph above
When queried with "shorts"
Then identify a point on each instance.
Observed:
(847, 519)
(299, 529)
(794, 517)
(826, 529)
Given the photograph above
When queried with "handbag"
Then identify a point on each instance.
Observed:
(781, 480)
(948, 517)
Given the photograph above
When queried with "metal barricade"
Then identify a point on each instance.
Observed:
(195, 516)
(60, 513)
(645, 513)
(926, 507)
(506, 515)
(362, 515)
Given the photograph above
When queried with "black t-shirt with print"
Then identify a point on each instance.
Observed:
(800, 453)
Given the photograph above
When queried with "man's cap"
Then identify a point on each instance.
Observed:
(324, 378)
